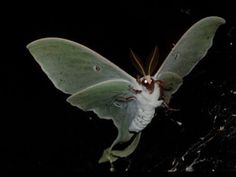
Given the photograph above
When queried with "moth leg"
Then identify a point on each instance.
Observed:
(164, 104)
(125, 99)
(135, 91)
(168, 107)
(171, 109)
(121, 100)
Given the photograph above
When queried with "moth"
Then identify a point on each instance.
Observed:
(96, 84)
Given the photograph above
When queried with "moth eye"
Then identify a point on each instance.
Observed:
(145, 81)
(96, 68)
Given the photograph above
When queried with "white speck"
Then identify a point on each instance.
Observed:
(231, 43)
(112, 169)
(215, 117)
(222, 128)
(234, 115)
(201, 138)
(223, 94)
(189, 169)
(172, 170)
(90, 118)
(179, 123)
(185, 11)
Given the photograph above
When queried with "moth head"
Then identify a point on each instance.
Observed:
(146, 70)
(147, 82)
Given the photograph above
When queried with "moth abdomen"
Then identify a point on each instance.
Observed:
(142, 119)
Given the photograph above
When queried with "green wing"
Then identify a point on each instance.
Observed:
(188, 51)
(72, 66)
(111, 100)
(95, 83)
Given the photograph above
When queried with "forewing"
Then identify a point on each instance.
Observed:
(110, 100)
(192, 47)
(72, 66)
(189, 50)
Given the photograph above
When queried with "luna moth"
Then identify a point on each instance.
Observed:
(96, 84)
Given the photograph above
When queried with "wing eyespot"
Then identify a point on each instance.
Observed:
(96, 68)
(176, 56)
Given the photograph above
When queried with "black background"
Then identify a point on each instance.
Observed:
(41, 132)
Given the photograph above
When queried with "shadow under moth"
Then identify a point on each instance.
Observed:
(96, 84)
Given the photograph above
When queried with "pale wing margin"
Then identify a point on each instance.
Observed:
(108, 100)
(73, 67)
(185, 55)
(191, 48)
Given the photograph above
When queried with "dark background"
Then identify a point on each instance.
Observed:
(41, 132)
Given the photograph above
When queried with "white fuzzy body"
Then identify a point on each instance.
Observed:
(147, 102)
